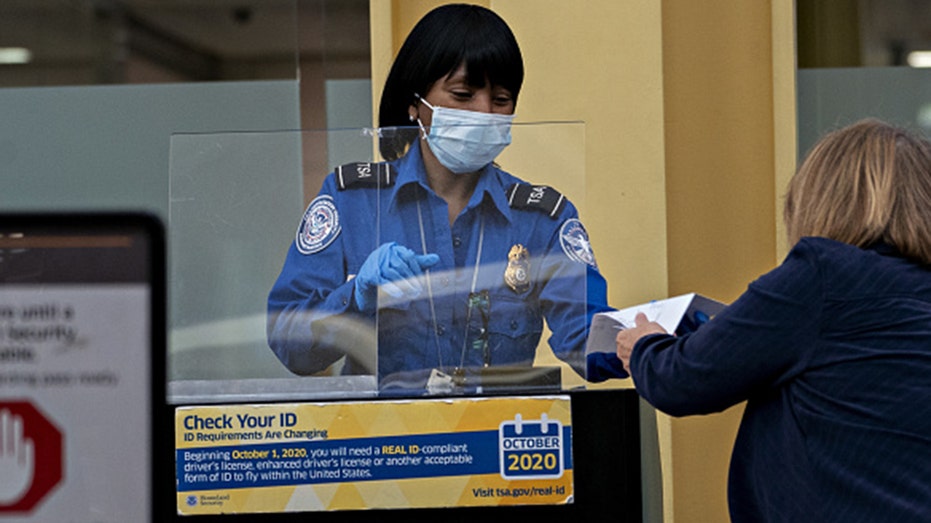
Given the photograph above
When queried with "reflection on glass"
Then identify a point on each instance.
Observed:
(382, 278)
(268, 291)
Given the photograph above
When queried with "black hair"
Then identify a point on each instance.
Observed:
(444, 39)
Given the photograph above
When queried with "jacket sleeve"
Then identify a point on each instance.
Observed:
(754, 345)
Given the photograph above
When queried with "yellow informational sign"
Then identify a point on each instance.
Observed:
(451, 452)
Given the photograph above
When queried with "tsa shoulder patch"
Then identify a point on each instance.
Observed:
(574, 240)
(319, 226)
(364, 175)
(540, 197)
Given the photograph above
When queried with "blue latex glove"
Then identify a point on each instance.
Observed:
(394, 268)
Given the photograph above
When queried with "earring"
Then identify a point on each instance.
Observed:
(411, 117)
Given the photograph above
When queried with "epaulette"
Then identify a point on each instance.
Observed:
(364, 175)
(540, 197)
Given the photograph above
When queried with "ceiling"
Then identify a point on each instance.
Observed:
(189, 36)
(79, 41)
(889, 29)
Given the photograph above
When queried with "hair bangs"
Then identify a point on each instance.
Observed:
(493, 56)
(485, 45)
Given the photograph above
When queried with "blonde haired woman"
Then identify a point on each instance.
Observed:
(831, 350)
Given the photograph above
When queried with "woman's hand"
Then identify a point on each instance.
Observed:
(627, 338)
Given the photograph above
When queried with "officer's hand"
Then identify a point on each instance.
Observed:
(394, 268)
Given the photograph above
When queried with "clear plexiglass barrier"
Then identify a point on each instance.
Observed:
(322, 264)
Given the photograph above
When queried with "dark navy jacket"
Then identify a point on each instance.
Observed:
(833, 351)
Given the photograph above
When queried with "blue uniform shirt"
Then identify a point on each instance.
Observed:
(313, 319)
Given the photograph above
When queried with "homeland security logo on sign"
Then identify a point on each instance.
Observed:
(531, 449)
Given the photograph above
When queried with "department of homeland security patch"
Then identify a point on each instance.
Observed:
(319, 226)
(574, 240)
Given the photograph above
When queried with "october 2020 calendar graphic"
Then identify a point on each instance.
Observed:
(531, 449)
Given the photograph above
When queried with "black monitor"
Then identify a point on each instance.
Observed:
(82, 372)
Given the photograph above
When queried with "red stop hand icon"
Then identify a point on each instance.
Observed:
(30, 457)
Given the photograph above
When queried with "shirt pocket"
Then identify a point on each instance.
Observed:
(514, 329)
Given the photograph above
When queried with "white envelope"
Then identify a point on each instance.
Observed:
(669, 313)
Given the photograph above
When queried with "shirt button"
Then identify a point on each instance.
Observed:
(445, 281)
(514, 325)
(457, 241)
(440, 330)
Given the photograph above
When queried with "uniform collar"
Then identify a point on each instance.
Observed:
(411, 174)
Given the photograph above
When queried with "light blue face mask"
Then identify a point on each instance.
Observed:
(466, 141)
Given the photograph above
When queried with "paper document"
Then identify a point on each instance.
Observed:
(669, 313)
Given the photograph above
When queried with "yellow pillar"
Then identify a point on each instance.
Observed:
(728, 76)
